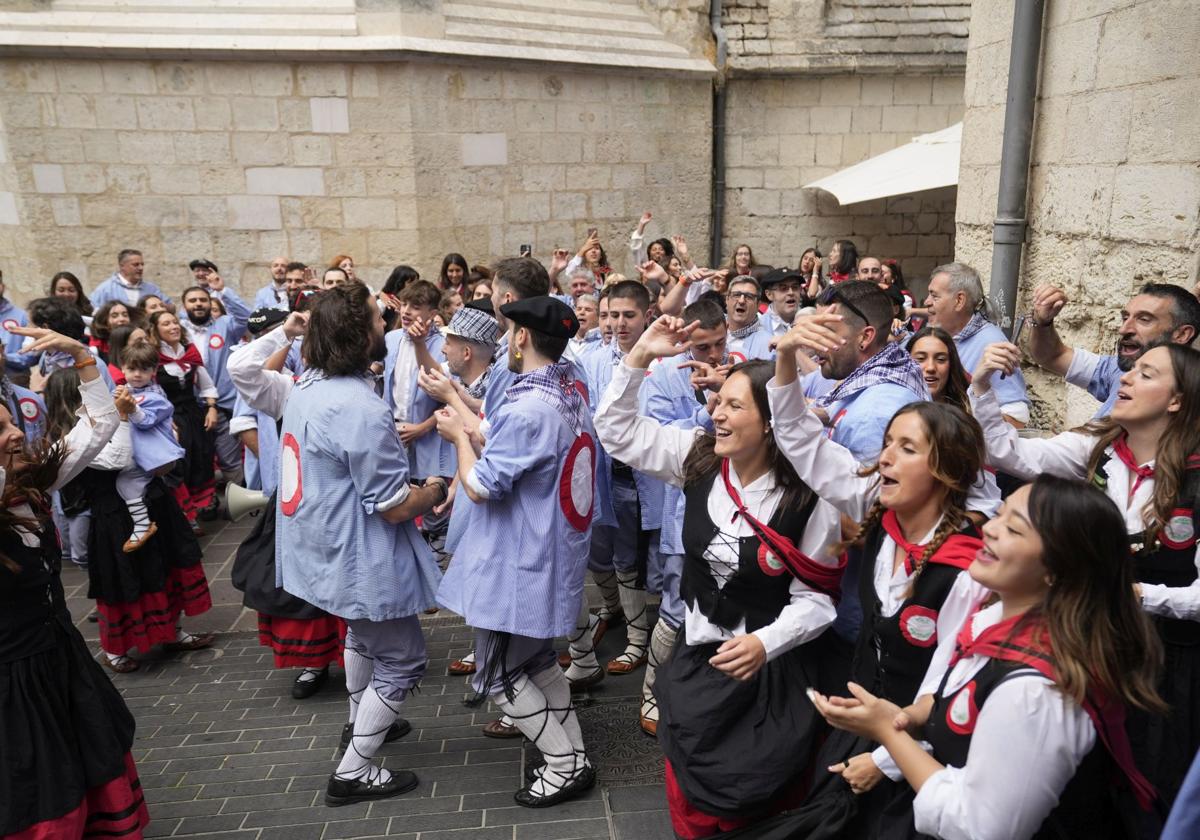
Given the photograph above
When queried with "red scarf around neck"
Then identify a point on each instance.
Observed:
(187, 360)
(958, 550)
(1028, 643)
(1125, 456)
(826, 579)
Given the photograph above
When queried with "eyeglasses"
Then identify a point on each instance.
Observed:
(833, 295)
(742, 296)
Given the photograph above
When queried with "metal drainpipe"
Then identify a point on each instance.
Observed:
(1008, 234)
(716, 228)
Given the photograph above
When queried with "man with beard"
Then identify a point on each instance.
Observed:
(1160, 313)
(216, 338)
(748, 336)
(783, 288)
(956, 303)
(274, 295)
(517, 575)
(345, 539)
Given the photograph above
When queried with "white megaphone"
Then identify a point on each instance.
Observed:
(241, 502)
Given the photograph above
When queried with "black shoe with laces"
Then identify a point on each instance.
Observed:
(302, 689)
(348, 791)
(584, 780)
(395, 732)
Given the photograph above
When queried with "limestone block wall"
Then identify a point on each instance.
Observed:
(390, 162)
(788, 131)
(1114, 187)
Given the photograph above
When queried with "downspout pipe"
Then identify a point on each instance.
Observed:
(716, 227)
(1008, 232)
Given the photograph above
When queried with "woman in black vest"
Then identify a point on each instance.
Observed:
(1146, 457)
(1026, 722)
(758, 583)
(65, 732)
(917, 542)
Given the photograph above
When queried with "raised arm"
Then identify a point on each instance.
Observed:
(266, 390)
(1045, 346)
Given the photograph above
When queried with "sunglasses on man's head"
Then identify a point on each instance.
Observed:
(833, 295)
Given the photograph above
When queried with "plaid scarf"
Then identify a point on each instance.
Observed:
(891, 365)
(745, 332)
(977, 323)
(555, 385)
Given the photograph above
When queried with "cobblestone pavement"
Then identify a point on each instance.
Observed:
(224, 751)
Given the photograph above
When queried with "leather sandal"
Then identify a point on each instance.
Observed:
(124, 665)
(650, 727)
(460, 668)
(132, 545)
(623, 665)
(499, 729)
(194, 641)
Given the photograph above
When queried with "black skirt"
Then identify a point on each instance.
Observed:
(198, 445)
(64, 729)
(254, 573)
(736, 747)
(119, 578)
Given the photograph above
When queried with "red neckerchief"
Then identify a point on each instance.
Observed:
(1028, 642)
(826, 579)
(1125, 456)
(958, 550)
(188, 359)
(100, 344)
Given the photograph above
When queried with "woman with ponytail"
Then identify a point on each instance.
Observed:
(916, 542)
(1145, 457)
(65, 762)
(758, 584)
(1025, 725)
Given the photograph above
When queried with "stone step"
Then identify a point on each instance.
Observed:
(548, 17)
(191, 22)
(595, 9)
(535, 37)
(319, 7)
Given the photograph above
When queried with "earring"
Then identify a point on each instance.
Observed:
(517, 355)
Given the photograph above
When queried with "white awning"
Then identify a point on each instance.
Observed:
(928, 162)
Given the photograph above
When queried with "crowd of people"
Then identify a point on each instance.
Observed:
(861, 597)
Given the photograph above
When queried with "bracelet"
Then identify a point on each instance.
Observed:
(212, 404)
(90, 361)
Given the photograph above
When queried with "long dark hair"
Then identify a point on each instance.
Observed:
(848, 260)
(1099, 633)
(956, 455)
(955, 390)
(62, 401)
(449, 260)
(400, 277)
(1179, 441)
(100, 327)
(339, 335)
(702, 462)
(81, 302)
(117, 340)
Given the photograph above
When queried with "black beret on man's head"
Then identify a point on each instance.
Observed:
(543, 314)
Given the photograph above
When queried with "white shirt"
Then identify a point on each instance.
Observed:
(263, 390)
(1066, 455)
(659, 451)
(205, 387)
(1029, 740)
(402, 378)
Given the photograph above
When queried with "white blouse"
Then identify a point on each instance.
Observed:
(1066, 455)
(205, 387)
(1029, 740)
(659, 451)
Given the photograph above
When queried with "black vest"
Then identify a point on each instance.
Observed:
(1086, 807)
(31, 599)
(893, 652)
(1170, 560)
(759, 589)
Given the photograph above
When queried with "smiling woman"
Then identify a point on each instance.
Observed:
(1146, 458)
(758, 584)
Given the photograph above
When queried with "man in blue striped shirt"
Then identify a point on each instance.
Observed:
(517, 575)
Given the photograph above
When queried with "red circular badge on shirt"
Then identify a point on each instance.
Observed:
(9, 324)
(582, 388)
(291, 484)
(962, 711)
(577, 484)
(736, 358)
(30, 410)
(215, 342)
(769, 562)
(918, 625)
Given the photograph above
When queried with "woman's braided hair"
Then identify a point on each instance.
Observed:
(956, 455)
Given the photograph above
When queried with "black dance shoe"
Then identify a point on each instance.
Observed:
(395, 732)
(303, 689)
(581, 784)
(349, 791)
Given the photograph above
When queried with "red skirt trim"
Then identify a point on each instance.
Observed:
(687, 820)
(151, 619)
(113, 809)
(303, 642)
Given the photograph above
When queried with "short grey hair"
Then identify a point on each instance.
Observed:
(592, 299)
(585, 273)
(960, 277)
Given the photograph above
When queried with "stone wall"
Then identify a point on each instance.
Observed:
(788, 131)
(1114, 186)
(389, 162)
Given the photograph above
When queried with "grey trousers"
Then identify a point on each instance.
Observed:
(397, 651)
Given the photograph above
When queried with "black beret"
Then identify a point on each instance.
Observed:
(778, 275)
(483, 304)
(263, 319)
(544, 314)
(209, 264)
